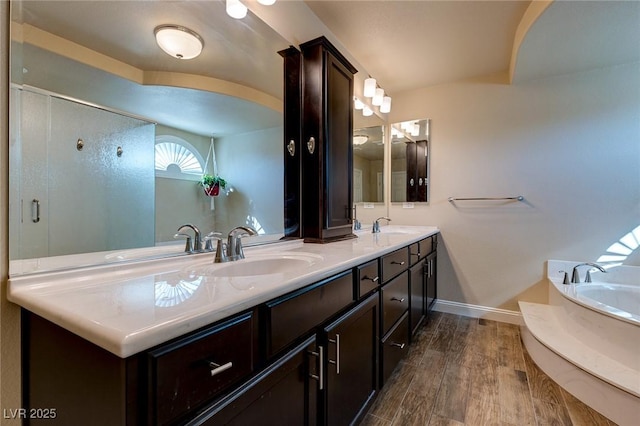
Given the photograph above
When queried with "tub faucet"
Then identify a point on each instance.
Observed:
(234, 242)
(376, 225)
(197, 242)
(575, 276)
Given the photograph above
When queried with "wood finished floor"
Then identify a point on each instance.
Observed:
(465, 371)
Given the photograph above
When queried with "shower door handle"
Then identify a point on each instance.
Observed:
(35, 210)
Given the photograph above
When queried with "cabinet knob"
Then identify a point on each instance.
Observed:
(311, 145)
(291, 147)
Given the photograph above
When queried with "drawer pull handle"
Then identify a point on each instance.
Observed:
(393, 262)
(217, 368)
(397, 345)
(319, 377)
(395, 299)
(416, 254)
(374, 279)
(337, 360)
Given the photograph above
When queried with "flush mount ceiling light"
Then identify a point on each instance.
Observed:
(360, 139)
(235, 9)
(179, 42)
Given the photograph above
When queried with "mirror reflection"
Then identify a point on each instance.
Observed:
(368, 165)
(110, 135)
(410, 161)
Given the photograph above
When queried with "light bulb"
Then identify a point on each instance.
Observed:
(369, 87)
(235, 9)
(377, 97)
(386, 105)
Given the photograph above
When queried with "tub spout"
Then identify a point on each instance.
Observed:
(575, 276)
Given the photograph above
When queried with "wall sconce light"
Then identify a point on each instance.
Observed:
(369, 87)
(385, 108)
(235, 9)
(179, 42)
(357, 104)
(366, 111)
(377, 97)
(360, 139)
(267, 2)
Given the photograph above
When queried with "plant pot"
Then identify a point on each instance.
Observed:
(213, 190)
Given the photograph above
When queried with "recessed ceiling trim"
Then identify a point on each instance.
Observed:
(531, 15)
(68, 49)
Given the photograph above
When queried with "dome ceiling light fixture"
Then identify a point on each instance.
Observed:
(178, 41)
(360, 139)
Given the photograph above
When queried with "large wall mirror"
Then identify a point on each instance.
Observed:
(410, 142)
(109, 134)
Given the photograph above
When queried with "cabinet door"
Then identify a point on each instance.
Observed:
(284, 394)
(339, 150)
(352, 363)
(417, 295)
(431, 280)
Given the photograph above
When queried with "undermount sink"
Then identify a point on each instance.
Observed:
(256, 265)
(386, 230)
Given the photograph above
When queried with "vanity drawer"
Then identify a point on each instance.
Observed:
(428, 245)
(395, 300)
(415, 254)
(394, 263)
(294, 314)
(367, 278)
(190, 371)
(395, 347)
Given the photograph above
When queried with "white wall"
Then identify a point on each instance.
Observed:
(570, 145)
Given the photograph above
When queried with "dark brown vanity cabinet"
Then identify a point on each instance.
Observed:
(394, 305)
(316, 355)
(285, 393)
(351, 344)
(321, 156)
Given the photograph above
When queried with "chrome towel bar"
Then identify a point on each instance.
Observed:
(517, 198)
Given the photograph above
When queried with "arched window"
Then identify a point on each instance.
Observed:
(177, 159)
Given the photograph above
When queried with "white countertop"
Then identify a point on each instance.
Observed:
(128, 308)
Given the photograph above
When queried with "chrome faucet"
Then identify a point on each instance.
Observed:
(575, 276)
(376, 225)
(234, 241)
(356, 223)
(197, 242)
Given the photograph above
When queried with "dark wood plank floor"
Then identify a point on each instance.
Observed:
(474, 372)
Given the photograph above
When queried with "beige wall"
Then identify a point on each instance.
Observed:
(570, 145)
(9, 313)
(252, 163)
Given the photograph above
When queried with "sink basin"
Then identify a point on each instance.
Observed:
(257, 265)
(387, 230)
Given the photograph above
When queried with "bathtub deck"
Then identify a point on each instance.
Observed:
(545, 322)
(605, 379)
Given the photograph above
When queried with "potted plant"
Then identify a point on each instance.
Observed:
(212, 184)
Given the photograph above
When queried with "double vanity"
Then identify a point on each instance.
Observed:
(295, 333)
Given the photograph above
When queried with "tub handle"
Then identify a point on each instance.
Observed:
(565, 280)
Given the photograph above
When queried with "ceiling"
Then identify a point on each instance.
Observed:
(405, 45)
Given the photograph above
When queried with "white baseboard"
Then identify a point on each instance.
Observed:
(475, 311)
